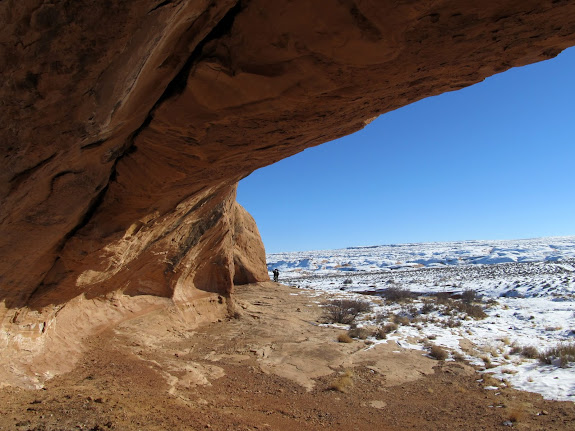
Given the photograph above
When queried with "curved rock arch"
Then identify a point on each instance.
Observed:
(127, 125)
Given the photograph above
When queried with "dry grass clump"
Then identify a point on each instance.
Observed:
(452, 323)
(400, 319)
(530, 352)
(472, 310)
(491, 302)
(489, 380)
(398, 294)
(459, 357)
(486, 360)
(361, 333)
(344, 310)
(516, 414)
(344, 338)
(438, 353)
(343, 382)
(564, 352)
(381, 332)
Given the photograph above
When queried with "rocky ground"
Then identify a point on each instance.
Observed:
(273, 367)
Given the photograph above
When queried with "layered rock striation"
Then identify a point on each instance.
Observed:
(125, 127)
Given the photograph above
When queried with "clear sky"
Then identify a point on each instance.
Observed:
(492, 161)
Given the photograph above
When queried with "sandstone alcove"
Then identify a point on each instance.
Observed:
(125, 127)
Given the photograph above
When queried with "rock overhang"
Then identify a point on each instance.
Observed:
(126, 126)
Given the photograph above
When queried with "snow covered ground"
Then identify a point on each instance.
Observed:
(527, 290)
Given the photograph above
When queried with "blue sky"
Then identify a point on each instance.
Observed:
(492, 161)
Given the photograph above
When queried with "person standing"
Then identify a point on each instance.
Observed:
(276, 275)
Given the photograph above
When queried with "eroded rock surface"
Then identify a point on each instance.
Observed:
(125, 127)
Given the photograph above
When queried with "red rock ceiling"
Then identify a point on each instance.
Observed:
(125, 127)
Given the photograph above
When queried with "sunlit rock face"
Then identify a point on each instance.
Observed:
(125, 127)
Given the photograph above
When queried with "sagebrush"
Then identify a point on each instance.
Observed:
(344, 310)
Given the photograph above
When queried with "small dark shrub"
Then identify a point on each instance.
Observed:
(398, 294)
(492, 302)
(400, 319)
(469, 296)
(344, 310)
(347, 281)
(360, 306)
(474, 311)
(336, 312)
(453, 323)
(381, 332)
(427, 308)
(361, 333)
(438, 353)
(382, 317)
(442, 298)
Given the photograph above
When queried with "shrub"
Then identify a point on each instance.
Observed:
(442, 298)
(564, 352)
(427, 308)
(400, 319)
(515, 349)
(516, 414)
(361, 333)
(412, 310)
(344, 310)
(438, 353)
(459, 357)
(344, 338)
(381, 317)
(486, 360)
(526, 351)
(343, 382)
(492, 302)
(469, 296)
(347, 281)
(381, 333)
(398, 294)
(360, 306)
(452, 323)
(474, 311)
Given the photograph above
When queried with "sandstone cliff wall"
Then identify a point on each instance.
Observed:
(125, 127)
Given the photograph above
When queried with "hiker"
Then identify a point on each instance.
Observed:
(276, 275)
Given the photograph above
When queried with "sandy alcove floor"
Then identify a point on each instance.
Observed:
(273, 368)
